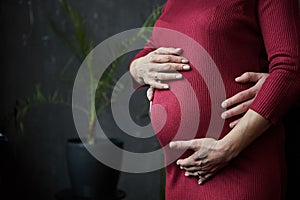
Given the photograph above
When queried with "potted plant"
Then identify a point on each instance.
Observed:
(88, 176)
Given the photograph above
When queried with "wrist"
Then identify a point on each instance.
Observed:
(228, 148)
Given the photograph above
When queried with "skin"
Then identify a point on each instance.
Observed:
(159, 66)
(243, 99)
(216, 154)
(210, 155)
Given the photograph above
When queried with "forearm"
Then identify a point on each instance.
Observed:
(249, 128)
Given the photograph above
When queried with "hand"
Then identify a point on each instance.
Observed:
(158, 67)
(244, 99)
(209, 157)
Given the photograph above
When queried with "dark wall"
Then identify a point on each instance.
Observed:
(31, 53)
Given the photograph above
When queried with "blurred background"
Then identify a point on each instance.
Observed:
(35, 55)
(37, 70)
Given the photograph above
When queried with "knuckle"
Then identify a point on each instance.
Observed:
(158, 59)
(198, 163)
(168, 58)
(168, 66)
(252, 92)
(244, 106)
(243, 95)
(193, 144)
(162, 76)
(152, 58)
(247, 74)
(205, 162)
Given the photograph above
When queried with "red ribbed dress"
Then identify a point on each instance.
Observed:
(240, 36)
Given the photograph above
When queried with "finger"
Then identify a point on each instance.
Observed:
(183, 145)
(169, 67)
(195, 173)
(150, 93)
(203, 179)
(234, 123)
(189, 161)
(169, 50)
(238, 98)
(150, 105)
(249, 77)
(167, 76)
(237, 110)
(156, 84)
(192, 169)
(158, 58)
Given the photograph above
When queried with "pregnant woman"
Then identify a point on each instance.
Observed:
(247, 160)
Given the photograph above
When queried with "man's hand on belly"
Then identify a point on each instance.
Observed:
(241, 101)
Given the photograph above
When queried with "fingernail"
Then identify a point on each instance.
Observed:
(237, 79)
(199, 182)
(179, 76)
(186, 67)
(231, 125)
(166, 87)
(185, 60)
(224, 115)
(181, 167)
(224, 104)
(186, 174)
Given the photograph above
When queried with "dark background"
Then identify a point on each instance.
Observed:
(32, 53)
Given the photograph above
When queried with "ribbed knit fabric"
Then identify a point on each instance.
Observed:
(240, 36)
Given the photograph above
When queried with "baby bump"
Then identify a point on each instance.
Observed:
(186, 111)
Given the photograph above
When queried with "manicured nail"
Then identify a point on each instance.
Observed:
(181, 167)
(199, 182)
(185, 60)
(186, 67)
(166, 87)
(224, 104)
(179, 76)
(237, 79)
(224, 115)
(186, 174)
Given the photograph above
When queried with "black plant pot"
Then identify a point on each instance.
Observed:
(89, 177)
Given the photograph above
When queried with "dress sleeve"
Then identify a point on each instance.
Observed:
(279, 23)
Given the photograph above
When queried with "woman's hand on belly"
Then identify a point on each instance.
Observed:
(159, 66)
(208, 157)
(240, 102)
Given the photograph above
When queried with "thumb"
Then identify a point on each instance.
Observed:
(182, 145)
(248, 77)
